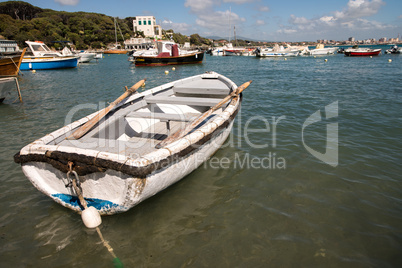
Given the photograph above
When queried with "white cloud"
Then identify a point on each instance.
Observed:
(67, 2)
(286, 31)
(260, 22)
(263, 8)
(359, 8)
(218, 19)
(352, 18)
(176, 27)
(199, 6)
(239, 2)
(298, 20)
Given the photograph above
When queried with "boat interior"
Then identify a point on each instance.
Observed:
(135, 127)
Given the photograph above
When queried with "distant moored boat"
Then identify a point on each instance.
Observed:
(356, 51)
(43, 58)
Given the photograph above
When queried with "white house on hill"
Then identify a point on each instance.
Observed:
(147, 24)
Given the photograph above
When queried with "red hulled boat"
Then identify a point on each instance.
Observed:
(169, 54)
(362, 52)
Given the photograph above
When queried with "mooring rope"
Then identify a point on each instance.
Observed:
(16, 66)
(116, 261)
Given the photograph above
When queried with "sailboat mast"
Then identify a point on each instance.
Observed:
(115, 30)
(230, 26)
(234, 28)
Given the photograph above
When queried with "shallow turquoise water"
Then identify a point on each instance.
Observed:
(262, 200)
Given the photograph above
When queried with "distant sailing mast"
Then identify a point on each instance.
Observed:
(116, 49)
(230, 26)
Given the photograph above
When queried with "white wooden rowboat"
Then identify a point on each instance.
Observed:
(117, 161)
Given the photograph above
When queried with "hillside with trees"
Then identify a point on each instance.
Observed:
(22, 21)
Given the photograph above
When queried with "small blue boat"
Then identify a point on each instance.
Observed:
(44, 59)
(45, 63)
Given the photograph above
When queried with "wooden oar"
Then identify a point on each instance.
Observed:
(182, 132)
(19, 63)
(89, 125)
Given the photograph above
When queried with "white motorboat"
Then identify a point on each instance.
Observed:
(394, 50)
(320, 50)
(277, 51)
(84, 57)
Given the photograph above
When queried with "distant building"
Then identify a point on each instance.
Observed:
(351, 39)
(138, 43)
(382, 40)
(8, 46)
(147, 24)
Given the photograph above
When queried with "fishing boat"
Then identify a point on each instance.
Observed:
(236, 51)
(98, 55)
(10, 66)
(115, 50)
(83, 56)
(168, 54)
(137, 146)
(359, 52)
(44, 58)
(320, 49)
(394, 50)
(277, 51)
(218, 51)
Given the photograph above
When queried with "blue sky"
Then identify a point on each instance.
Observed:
(289, 20)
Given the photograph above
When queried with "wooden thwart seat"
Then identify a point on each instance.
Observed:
(164, 117)
(202, 91)
(191, 101)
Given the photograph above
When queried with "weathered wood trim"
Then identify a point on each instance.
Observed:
(85, 165)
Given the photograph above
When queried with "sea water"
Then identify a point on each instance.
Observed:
(309, 177)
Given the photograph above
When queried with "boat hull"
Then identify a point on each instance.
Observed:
(115, 182)
(234, 52)
(278, 54)
(390, 51)
(163, 61)
(374, 52)
(48, 63)
(114, 192)
(10, 66)
(323, 51)
(115, 51)
(86, 57)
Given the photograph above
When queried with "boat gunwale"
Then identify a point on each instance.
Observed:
(90, 161)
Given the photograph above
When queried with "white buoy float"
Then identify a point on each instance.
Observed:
(286, 59)
(173, 68)
(326, 60)
(389, 60)
(166, 72)
(91, 217)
